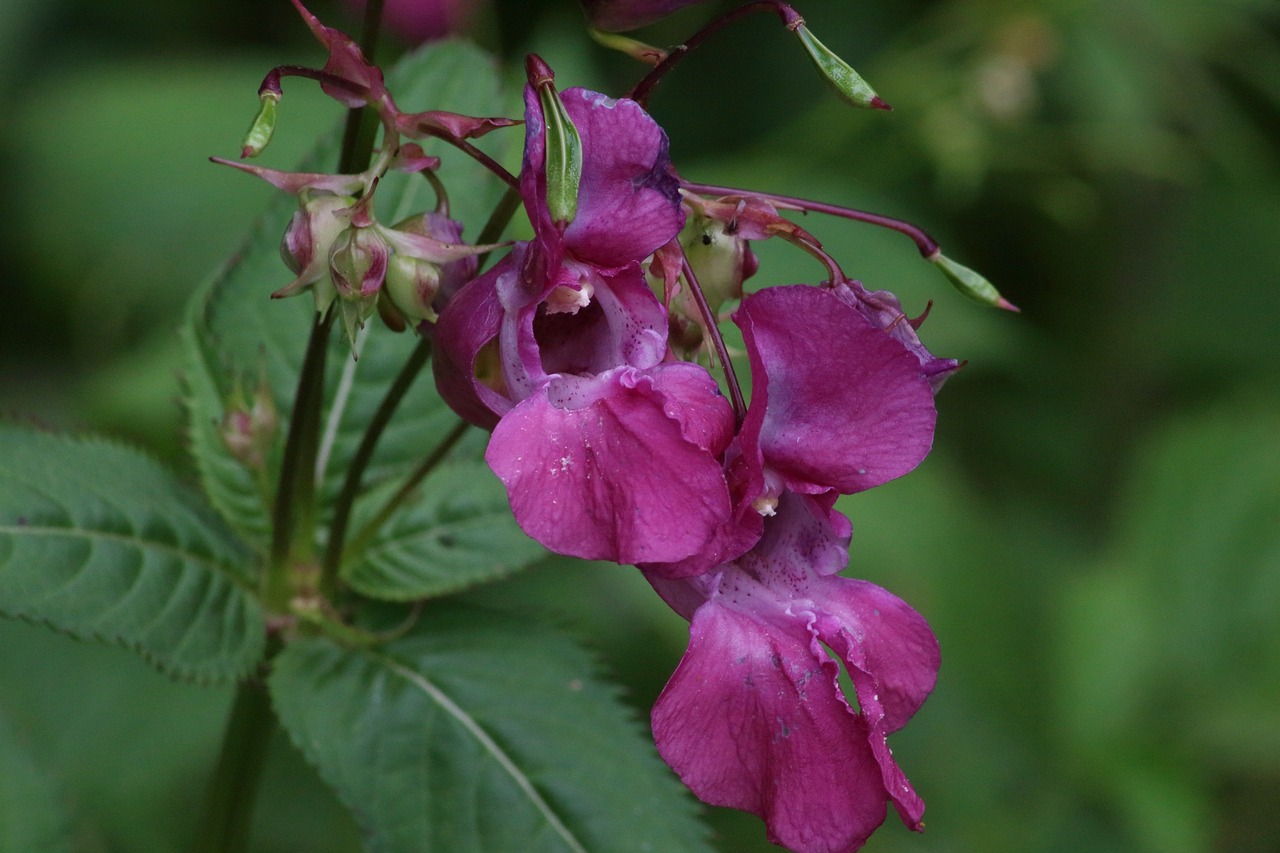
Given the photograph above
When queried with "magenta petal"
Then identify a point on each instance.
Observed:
(470, 320)
(608, 474)
(753, 719)
(892, 657)
(628, 201)
(628, 198)
(891, 652)
(836, 402)
(883, 309)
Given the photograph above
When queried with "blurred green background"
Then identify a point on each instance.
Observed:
(1096, 538)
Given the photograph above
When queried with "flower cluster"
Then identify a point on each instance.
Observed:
(613, 447)
(594, 354)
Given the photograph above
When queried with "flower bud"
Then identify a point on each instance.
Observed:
(318, 221)
(248, 429)
(455, 262)
(720, 260)
(848, 83)
(412, 284)
(358, 265)
(358, 261)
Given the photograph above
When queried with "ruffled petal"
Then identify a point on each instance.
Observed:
(892, 657)
(753, 719)
(605, 473)
(836, 403)
(884, 310)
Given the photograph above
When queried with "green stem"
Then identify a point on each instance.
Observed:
(360, 461)
(336, 544)
(362, 123)
(235, 781)
(294, 510)
(498, 221)
(366, 534)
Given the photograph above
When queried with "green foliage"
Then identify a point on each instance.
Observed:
(99, 541)
(479, 733)
(457, 532)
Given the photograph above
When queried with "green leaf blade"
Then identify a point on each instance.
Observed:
(101, 542)
(478, 734)
(458, 532)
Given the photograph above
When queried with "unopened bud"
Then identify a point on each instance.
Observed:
(264, 125)
(310, 234)
(848, 83)
(358, 266)
(249, 428)
(971, 283)
(358, 261)
(411, 285)
(720, 260)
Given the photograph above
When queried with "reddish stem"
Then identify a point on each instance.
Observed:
(476, 154)
(790, 19)
(927, 245)
(713, 329)
(271, 83)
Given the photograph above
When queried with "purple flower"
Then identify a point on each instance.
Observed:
(836, 405)
(608, 449)
(754, 717)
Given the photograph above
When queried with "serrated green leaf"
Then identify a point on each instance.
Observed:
(31, 816)
(457, 532)
(101, 542)
(480, 733)
(234, 330)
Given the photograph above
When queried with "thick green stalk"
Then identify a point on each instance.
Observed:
(225, 828)
(294, 508)
(232, 794)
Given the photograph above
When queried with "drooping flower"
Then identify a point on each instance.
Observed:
(837, 405)
(754, 717)
(608, 449)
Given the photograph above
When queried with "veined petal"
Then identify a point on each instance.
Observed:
(836, 403)
(892, 658)
(753, 719)
(757, 667)
(883, 309)
(628, 198)
(607, 473)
